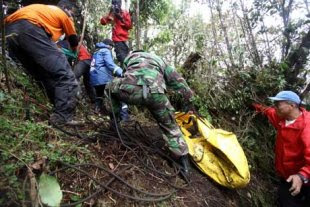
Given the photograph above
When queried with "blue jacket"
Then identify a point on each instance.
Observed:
(102, 66)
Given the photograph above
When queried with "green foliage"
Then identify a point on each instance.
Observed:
(227, 99)
(49, 190)
(24, 142)
(156, 10)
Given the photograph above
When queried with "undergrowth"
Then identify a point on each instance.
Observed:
(27, 139)
(227, 97)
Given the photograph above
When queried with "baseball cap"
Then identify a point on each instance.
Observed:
(287, 96)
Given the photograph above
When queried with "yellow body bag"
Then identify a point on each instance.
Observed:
(216, 152)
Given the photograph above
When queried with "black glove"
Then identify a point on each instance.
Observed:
(190, 108)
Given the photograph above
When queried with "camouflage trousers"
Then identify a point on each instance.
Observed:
(159, 106)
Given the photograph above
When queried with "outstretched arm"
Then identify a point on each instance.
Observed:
(106, 58)
(270, 112)
(108, 19)
(176, 82)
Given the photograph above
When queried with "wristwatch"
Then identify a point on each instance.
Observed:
(303, 178)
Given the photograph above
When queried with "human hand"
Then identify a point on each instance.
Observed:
(118, 72)
(190, 109)
(110, 18)
(254, 105)
(296, 184)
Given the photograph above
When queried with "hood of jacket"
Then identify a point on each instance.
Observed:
(100, 45)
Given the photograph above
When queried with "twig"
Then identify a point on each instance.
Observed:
(3, 49)
(74, 193)
(33, 182)
(83, 28)
(120, 160)
(114, 201)
(24, 187)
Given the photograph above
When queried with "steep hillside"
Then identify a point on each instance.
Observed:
(92, 163)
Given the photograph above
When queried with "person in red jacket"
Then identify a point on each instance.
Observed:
(292, 147)
(82, 66)
(121, 21)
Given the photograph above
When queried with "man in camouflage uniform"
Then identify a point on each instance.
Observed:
(144, 83)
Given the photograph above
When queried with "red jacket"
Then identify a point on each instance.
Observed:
(292, 148)
(84, 54)
(120, 28)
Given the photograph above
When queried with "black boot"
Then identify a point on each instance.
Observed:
(184, 162)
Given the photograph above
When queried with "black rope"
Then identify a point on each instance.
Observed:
(127, 140)
(162, 197)
(93, 194)
(176, 165)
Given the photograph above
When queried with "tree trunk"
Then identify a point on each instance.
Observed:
(3, 49)
(235, 26)
(215, 51)
(137, 26)
(248, 32)
(305, 91)
(307, 6)
(224, 28)
(297, 60)
(267, 42)
(190, 65)
(285, 12)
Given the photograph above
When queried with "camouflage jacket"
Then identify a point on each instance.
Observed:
(143, 68)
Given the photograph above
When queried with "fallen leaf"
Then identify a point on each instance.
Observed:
(49, 190)
(111, 166)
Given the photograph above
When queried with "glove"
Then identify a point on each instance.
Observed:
(118, 72)
(190, 108)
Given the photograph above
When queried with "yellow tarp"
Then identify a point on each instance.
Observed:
(215, 151)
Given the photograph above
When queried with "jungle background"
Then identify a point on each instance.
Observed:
(232, 53)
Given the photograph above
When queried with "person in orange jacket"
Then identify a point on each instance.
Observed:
(292, 148)
(121, 21)
(31, 35)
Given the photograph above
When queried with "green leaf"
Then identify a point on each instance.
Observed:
(75, 198)
(2, 96)
(49, 190)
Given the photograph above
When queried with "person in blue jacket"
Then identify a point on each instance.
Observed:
(102, 71)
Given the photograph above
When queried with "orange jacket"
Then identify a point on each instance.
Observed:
(54, 20)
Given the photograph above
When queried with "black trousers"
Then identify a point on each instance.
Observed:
(82, 69)
(124, 114)
(33, 47)
(285, 198)
(122, 50)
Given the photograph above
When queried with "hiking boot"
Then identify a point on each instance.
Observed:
(127, 123)
(184, 162)
(57, 120)
(74, 123)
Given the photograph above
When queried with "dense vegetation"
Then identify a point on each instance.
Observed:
(245, 51)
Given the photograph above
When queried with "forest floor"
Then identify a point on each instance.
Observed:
(139, 159)
(96, 166)
(141, 165)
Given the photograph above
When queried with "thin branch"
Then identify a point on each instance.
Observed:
(83, 28)
(3, 49)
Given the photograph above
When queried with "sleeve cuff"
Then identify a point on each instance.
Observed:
(118, 71)
(304, 179)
